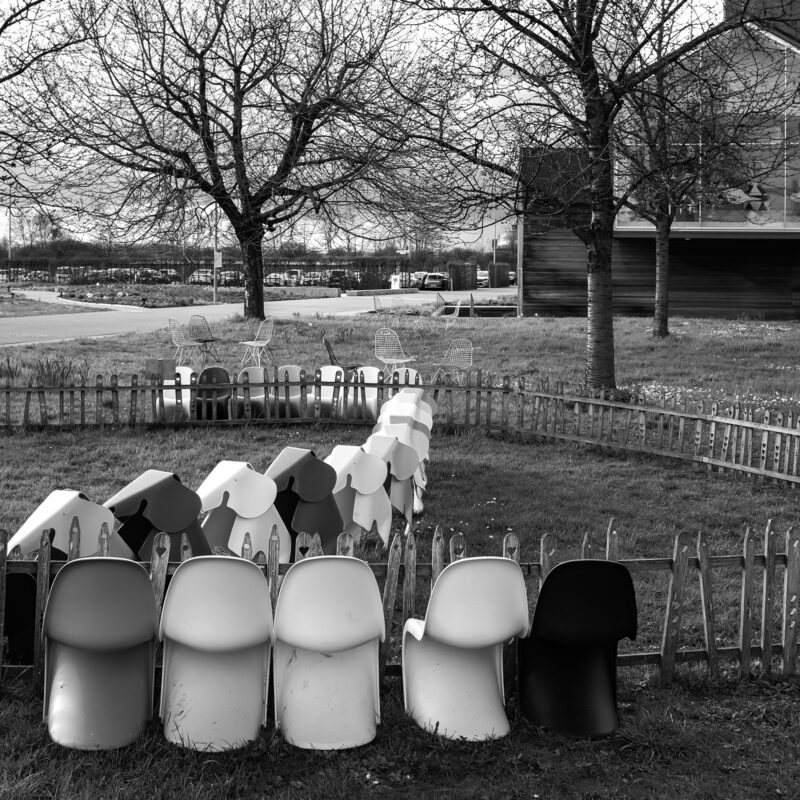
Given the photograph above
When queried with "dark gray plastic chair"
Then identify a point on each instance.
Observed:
(567, 670)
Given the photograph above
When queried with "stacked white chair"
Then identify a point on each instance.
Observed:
(100, 631)
(328, 626)
(452, 660)
(217, 632)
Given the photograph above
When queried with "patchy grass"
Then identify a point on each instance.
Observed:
(12, 305)
(694, 740)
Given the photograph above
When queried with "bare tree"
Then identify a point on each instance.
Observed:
(693, 134)
(265, 109)
(557, 75)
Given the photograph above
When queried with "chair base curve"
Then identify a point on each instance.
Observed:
(454, 692)
(327, 701)
(98, 700)
(569, 690)
(213, 702)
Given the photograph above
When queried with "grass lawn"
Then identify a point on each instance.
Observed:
(696, 739)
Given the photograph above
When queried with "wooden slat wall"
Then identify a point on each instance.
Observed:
(708, 277)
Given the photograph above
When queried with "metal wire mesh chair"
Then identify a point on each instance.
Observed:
(200, 331)
(185, 345)
(258, 347)
(451, 318)
(456, 361)
(388, 349)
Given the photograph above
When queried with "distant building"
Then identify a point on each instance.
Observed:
(737, 255)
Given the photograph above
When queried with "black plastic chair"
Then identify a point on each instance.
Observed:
(566, 671)
(213, 389)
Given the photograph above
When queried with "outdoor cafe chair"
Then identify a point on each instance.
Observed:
(328, 625)
(185, 344)
(456, 362)
(200, 331)
(100, 631)
(216, 627)
(348, 368)
(389, 351)
(567, 666)
(257, 349)
(452, 660)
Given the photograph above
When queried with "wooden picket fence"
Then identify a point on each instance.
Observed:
(737, 438)
(774, 626)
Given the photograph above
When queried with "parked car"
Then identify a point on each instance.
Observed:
(483, 278)
(35, 276)
(203, 276)
(292, 277)
(273, 279)
(229, 277)
(435, 280)
(416, 278)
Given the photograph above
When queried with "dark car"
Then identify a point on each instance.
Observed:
(435, 280)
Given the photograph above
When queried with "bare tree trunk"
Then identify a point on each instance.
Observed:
(661, 311)
(251, 240)
(599, 239)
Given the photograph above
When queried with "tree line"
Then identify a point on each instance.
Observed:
(160, 119)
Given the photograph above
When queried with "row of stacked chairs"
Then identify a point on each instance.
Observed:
(223, 646)
(277, 392)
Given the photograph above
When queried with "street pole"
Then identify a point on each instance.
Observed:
(216, 247)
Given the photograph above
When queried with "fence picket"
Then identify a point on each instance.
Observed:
(746, 605)
(612, 542)
(672, 618)
(409, 576)
(547, 552)
(389, 598)
(768, 597)
(791, 589)
(159, 561)
(437, 554)
(707, 603)
(4, 537)
(458, 547)
(42, 590)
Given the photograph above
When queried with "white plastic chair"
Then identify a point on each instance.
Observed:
(328, 625)
(100, 631)
(171, 411)
(259, 394)
(257, 349)
(289, 373)
(370, 393)
(328, 374)
(389, 351)
(217, 632)
(453, 659)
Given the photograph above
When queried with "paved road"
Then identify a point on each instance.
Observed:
(118, 321)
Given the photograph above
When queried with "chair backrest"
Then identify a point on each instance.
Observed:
(265, 331)
(387, 344)
(256, 378)
(459, 354)
(406, 376)
(331, 355)
(329, 604)
(178, 334)
(101, 604)
(586, 601)
(198, 327)
(290, 372)
(217, 603)
(212, 376)
(377, 304)
(478, 601)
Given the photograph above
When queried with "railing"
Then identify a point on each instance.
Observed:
(762, 636)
